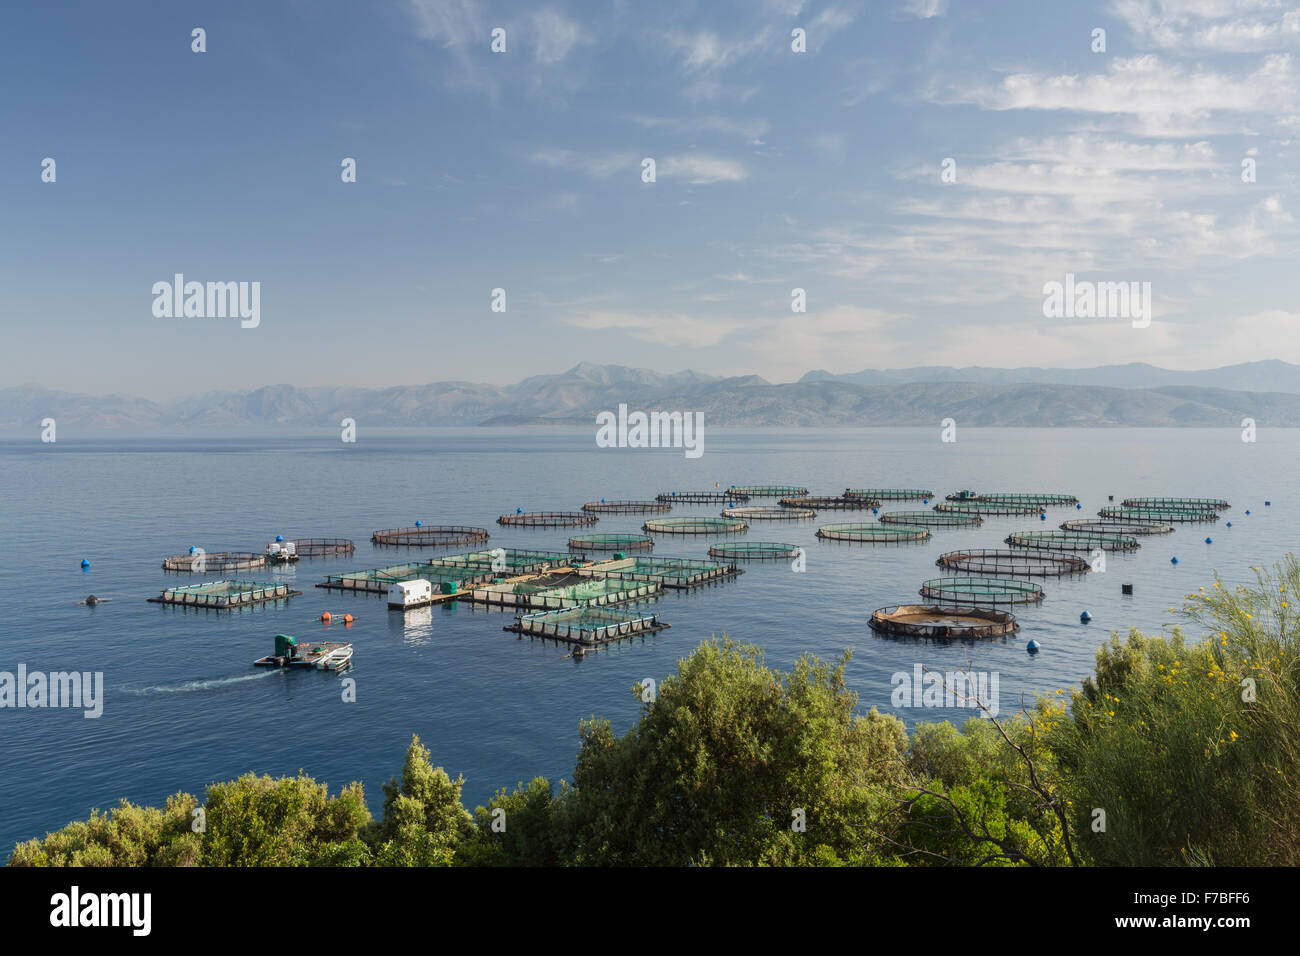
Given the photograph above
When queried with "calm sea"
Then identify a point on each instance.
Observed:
(184, 707)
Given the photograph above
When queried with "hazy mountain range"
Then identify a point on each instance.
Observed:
(1135, 394)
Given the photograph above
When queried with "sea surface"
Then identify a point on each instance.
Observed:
(183, 705)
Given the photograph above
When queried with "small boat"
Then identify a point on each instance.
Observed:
(281, 552)
(336, 659)
(325, 655)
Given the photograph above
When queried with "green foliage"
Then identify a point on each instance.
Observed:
(423, 817)
(126, 836)
(523, 828)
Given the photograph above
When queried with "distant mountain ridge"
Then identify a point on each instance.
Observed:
(577, 395)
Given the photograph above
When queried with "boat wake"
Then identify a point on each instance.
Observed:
(190, 686)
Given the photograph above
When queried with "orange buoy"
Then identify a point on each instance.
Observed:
(347, 618)
(325, 617)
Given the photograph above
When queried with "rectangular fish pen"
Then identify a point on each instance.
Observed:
(680, 573)
(224, 594)
(568, 590)
(586, 625)
(379, 580)
(516, 560)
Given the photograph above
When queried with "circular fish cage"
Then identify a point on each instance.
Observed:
(430, 535)
(214, 562)
(754, 551)
(319, 547)
(1178, 504)
(768, 514)
(769, 491)
(932, 519)
(1162, 515)
(701, 497)
(1071, 541)
(872, 531)
(627, 507)
(977, 590)
(548, 519)
(979, 506)
(1015, 498)
(890, 494)
(1089, 526)
(695, 526)
(921, 620)
(1015, 563)
(829, 503)
(611, 542)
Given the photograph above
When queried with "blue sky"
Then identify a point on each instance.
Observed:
(776, 170)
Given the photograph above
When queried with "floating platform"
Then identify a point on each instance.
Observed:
(769, 491)
(674, 573)
(1015, 563)
(695, 526)
(978, 506)
(1163, 515)
(564, 590)
(508, 560)
(932, 519)
(1114, 526)
(751, 513)
(755, 551)
(430, 535)
(612, 542)
(222, 595)
(1015, 497)
(700, 497)
(321, 655)
(379, 580)
(1180, 504)
(830, 502)
(873, 532)
(976, 590)
(1072, 541)
(549, 519)
(890, 494)
(587, 626)
(215, 562)
(627, 507)
(920, 620)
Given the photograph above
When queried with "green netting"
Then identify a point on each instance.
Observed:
(768, 514)
(586, 625)
(671, 572)
(769, 491)
(695, 526)
(569, 591)
(967, 590)
(379, 580)
(1015, 497)
(873, 531)
(1071, 541)
(890, 494)
(934, 519)
(1030, 563)
(754, 550)
(830, 502)
(505, 560)
(919, 620)
(224, 594)
(627, 507)
(1160, 514)
(1116, 527)
(705, 497)
(982, 507)
(612, 542)
(1180, 504)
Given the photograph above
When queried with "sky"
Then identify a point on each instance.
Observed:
(522, 170)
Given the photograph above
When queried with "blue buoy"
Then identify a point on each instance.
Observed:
(419, 524)
(1247, 511)
(279, 537)
(1032, 646)
(1042, 517)
(1173, 560)
(519, 511)
(602, 501)
(191, 549)
(925, 501)
(1267, 504)
(1085, 617)
(875, 511)
(1078, 507)
(1209, 541)
(1229, 524)
(84, 564)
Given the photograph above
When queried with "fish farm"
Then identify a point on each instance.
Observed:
(1015, 498)
(548, 519)
(514, 560)
(217, 562)
(936, 519)
(701, 497)
(317, 547)
(1187, 515)
(379, 580)
(674, 573)
(769, 491)
(1071, 541)
(1013, 563)
(612, 542)
(1178, 504)
(1117, 527)
(830, 503)
(434, 535)
(975, 590)
(768, 514)
(695, 526)
(873, 532)
(919, 620)
(890, 494)
(562, 591)
(586, 625)
(626, 507)
(754, 551)
(980, 506)
(221, 595)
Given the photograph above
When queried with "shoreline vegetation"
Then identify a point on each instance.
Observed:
(1176, 751)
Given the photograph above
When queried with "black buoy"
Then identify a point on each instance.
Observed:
(92, 600)
(1126, 589)
(1110, 497)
